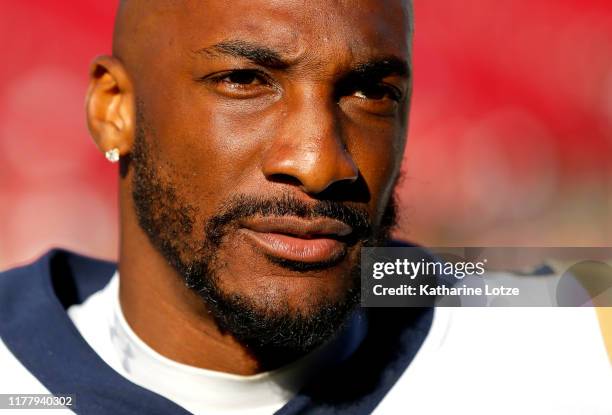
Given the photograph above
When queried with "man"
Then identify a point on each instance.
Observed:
(259, 143)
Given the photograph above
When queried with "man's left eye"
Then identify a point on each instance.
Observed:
(377, 92)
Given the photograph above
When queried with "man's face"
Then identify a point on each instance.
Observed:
(269, 137)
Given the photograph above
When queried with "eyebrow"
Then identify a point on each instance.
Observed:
(269, 58)
(382, 67)
(258, 54)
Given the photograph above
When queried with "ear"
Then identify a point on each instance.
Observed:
(110, 105)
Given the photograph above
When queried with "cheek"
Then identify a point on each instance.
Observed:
(210, 149)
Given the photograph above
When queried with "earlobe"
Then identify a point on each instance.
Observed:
(110, 106)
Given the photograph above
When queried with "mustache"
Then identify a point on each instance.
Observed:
(245, 206)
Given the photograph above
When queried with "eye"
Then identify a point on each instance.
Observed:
(239, 83)
(373, 97)
(377, 92)
(242, 77)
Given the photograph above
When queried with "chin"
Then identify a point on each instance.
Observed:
(275, 289)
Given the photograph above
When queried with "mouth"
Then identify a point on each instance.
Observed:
(310, 241)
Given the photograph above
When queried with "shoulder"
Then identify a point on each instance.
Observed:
(37, 339)
(477, 355)
(34, 297)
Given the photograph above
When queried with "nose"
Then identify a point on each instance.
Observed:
(309, 148)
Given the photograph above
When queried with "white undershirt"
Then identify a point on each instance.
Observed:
(101, 322)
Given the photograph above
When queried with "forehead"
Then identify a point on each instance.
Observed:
(351, 29)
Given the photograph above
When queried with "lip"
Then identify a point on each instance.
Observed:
(296, 239)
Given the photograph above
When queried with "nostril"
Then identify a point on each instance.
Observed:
(284, 179)
(355, 190)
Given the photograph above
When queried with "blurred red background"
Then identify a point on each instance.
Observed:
(510, 140)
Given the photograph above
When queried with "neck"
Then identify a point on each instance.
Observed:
(168, 316)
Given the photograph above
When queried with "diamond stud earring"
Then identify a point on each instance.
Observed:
(112, 155)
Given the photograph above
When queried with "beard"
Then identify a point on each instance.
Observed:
(275, 332)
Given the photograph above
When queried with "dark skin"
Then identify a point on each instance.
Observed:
(260, 98)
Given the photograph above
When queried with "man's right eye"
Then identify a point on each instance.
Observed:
(241, 78)
(240, 83)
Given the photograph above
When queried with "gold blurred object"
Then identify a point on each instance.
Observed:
(596, 278)
(604, 314)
